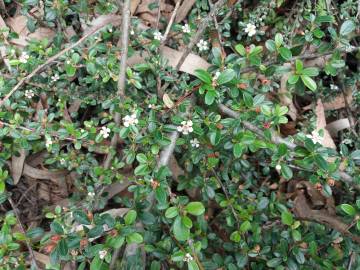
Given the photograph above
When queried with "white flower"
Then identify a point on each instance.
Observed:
(186, 28)
(195, 143)
(132, 32)
(29, 94)
(105, 131)
(152, 106)
(55, 77)
(48, 142)
(202, 45)
(158, 36)
(130, 120)
(91, 194)
(62, 161)
(188, 257)
(186, 127)
(110, 30)
(216, 76)
(278, 167)
(24, 58)
(334, 87)
(315, 137)
(102, 254)
(250, 29)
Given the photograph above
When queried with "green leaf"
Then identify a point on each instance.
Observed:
(96, 263)
(203, 75)
(274, 262)
(35, 232)
(63, 247)
(238, 150)
(187, 222)
(355, 155)
(235, 236)
(240, 49)
(226, 76)
(134, 238)
(130, 217)
(181, 232)
(195, 208)
(210, 97)
(321, 162)
(70, 70)
(348, 209)
(311, 71)
(141, 158)
(285, 53)
(279, 40)
(245, 226)
(347, 27)
(192, 265)
(310, 83)
(270, 45)
(286, 172)
(287, 218)
(161, 195)
(171, 212)
(298, 65)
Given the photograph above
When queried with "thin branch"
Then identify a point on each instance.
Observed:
(122, 75)
(31, 252)
(121, 92)
(275, 138)
(51, 60)
(168, 28)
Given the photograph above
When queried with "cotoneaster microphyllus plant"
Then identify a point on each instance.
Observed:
(212, 135)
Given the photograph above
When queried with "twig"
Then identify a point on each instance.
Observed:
(227, 198)
(31, 252)
(158, 15)
(347, 107)
(50, 60)
(168, 28)
(276, 139)
(201, 29)
(121, 92)
(122, 75)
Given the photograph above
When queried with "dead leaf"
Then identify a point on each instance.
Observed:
(167, 101)
(321, 124)
(184, 9)
(285, 96)
(133, 6)
(18, 25)
(43, 174)
(338, 125)
(101, 21)
(191, 63)
(17, 165)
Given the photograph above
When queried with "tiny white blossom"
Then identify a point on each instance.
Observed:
(130, 120)
(48, 142)
(68, 62)
(334, 87)
(202, 45)
(250, 29)
(29, 94)
(158, 36)
(349, 48)
(105, 131)
(110, 30)
(62, 161)
(188, 257)
(195, 143)
(186, 127)
(132, 32)
(55, 77)
(24, 57)
(186, 28)
(91, 194)
(152, 106)
(102, 254)
(315, 137)
(216, 76)
(278, 167)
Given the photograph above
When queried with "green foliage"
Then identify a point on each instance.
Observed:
(224, 201)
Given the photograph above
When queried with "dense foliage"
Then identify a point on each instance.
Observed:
(235, 159)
